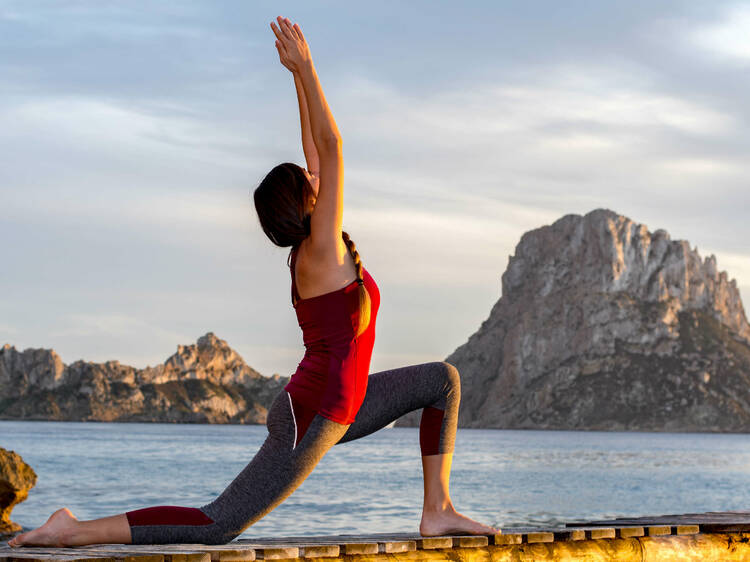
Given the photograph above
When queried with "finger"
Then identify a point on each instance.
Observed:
(299, 32)
(292, 33)
(276, 31)
(291, 28)
(285, 28)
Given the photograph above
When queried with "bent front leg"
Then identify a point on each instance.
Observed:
(434, 386)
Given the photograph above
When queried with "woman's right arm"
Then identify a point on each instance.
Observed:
(327, 217)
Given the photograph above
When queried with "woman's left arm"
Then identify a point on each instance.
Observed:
(308, 145)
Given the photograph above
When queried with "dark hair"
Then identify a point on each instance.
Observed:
(281, 203)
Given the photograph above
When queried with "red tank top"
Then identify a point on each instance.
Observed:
(332, 376)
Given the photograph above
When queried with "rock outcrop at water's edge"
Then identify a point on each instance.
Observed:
(207, 382)
(16, 479)
(605, 325)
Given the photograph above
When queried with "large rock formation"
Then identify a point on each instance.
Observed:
(605, 325)
(16, 479)
(206, 382)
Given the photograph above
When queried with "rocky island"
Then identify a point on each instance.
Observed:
(605, 325)
(207, 382)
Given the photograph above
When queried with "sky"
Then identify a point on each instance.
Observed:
(133, 134)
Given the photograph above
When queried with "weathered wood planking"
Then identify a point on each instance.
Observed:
(684, 537)
(683, 524)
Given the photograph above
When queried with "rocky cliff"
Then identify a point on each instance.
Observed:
(206, 382)
(605, 325)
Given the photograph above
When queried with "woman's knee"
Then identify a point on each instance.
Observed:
(449, 380)
(451, 377)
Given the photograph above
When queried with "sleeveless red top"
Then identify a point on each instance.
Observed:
(332, 376)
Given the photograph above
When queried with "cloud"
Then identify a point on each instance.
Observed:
(709, 168)
(422, 249)
(114, 333)
(7, 331)
(729, 38)
(132, 138)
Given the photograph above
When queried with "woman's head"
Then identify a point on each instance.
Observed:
(284, 201)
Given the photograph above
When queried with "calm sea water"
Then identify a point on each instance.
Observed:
(374, 485)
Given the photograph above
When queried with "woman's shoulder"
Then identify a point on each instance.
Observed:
(308, 255)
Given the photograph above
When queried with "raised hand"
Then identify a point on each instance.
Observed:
(291, 45)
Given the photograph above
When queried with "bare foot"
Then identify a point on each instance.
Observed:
(52, 533)
(451, 522)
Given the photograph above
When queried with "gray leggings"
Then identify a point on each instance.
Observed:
(279, 467)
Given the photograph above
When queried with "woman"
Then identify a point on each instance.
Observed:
(330, 399)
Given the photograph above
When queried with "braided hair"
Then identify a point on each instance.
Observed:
(364, 295)
(362, 292)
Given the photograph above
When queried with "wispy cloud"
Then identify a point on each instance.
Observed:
(729, 38)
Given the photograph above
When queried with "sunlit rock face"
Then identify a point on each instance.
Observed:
(605, 325)
(206, 382)
(16, 479)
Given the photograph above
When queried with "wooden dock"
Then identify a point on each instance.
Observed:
(706, 536)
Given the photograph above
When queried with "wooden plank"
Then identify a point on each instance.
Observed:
(659, 530)
(320, 551)
(602, 533)
(230, 552)
(570, 535)
(628, 532)
(348, 544)
(90, 553)
(724, 527)
(470, 541)
(431, 543)
(536, 537)
(392, 547)
(232, 555)
(276, 552)
(739, 520)
(145, 557)
(686, 530)
(361, 548)
(187, 557)
(507, 538)
(51, 557)
(162, 552)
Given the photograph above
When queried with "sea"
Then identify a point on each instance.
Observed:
(374, 485)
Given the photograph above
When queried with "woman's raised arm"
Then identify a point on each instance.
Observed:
(327, 217)
(308, 144)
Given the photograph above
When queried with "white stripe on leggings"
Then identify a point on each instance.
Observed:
(291, 407)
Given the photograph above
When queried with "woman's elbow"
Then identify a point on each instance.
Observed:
(329, 143)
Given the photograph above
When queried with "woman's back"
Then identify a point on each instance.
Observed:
(332, 376)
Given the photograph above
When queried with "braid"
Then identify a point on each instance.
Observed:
(364, 296)
(355, 254)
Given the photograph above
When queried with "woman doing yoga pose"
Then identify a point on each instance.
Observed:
(329, 399)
